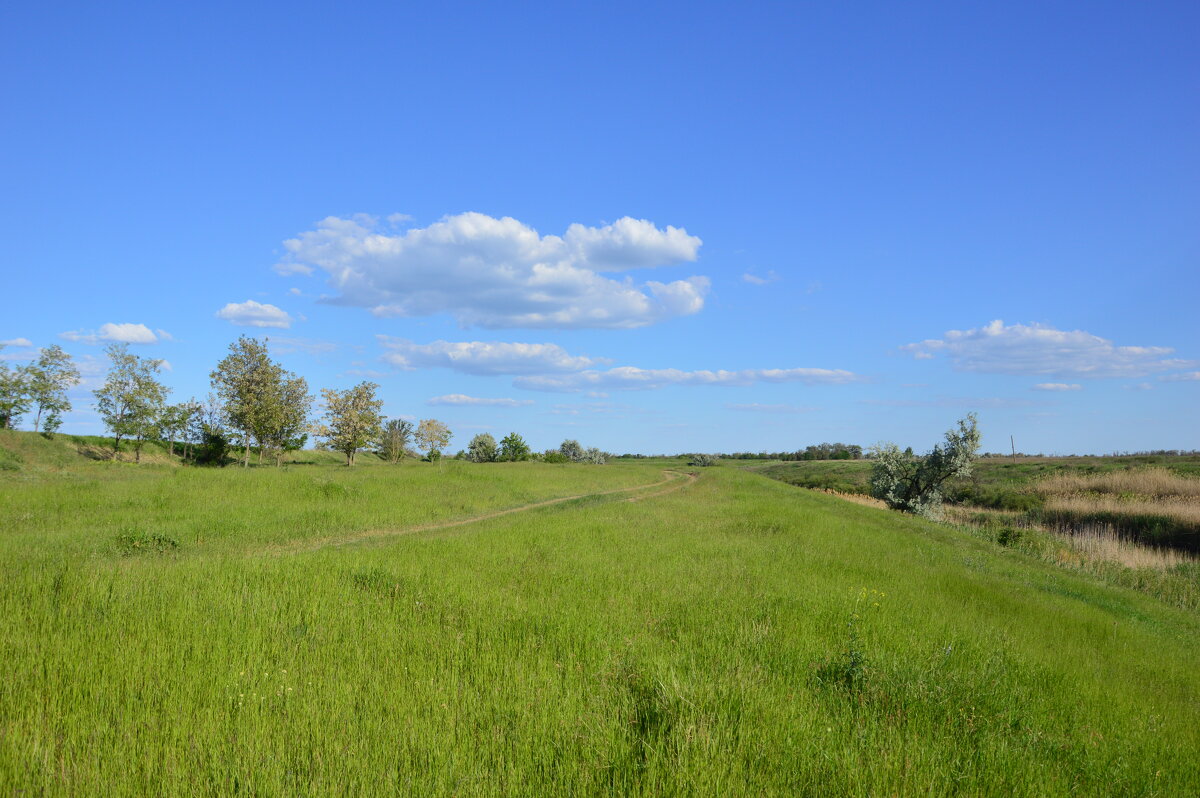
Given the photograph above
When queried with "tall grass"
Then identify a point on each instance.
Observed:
(1144, 483)
(691, 642)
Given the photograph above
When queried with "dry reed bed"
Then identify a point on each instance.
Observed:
(1158, 483)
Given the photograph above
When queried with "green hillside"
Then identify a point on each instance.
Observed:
(285, 632)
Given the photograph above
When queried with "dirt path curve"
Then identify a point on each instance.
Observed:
(674, 480)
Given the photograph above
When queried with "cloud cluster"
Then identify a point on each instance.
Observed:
(17, 342)
(1035, 350)
(255, 314)
(483, 357)
(475, 401)
(501, 273)
(116, 333)
(630, 378)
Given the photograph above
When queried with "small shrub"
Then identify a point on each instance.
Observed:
(135, 542)
(704, 460)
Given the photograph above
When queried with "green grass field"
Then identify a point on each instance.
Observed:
(183, 631)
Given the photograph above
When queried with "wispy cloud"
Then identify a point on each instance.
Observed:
(1035, 350)
(969, 402)
(629, 378)
(755, 279)
(255, 314)
(484, 357)
(1057, 386)
(501, 273)
(116, 333)
(754, 407)
(17, 342)
(1189, 376)
(285, 345)
(463, 399)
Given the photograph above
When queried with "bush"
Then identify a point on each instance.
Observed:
(704, 460)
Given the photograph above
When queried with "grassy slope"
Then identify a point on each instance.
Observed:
(671, 645)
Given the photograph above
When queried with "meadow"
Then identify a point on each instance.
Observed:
(318, 630)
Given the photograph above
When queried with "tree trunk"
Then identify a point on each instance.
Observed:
(116, 447)
(171, 447)
(137, 450)
(246, 456)
(37, 419)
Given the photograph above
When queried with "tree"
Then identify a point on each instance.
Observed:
(352, 419)
(433, 436)
(207, 432)
(50, 377)
(914, 484)
(14, 394)
(263, 403)
(513, 448)
(572, 450)
(482, 449)
(594, 456)
(131, 399)
(397, 435)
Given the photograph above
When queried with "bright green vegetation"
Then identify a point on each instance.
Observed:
(171, 630)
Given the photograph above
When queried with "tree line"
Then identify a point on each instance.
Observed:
(256, 407)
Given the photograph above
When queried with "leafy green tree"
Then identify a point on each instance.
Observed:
(131, 399)
(914, 484)
(263, 403)
(397, 435)
(50, 377)
(353, 419)
(433, 436)
(594, 456)
(513, 448)
(482, 449)
(14, 394)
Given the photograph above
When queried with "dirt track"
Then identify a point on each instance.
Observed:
(674, 480)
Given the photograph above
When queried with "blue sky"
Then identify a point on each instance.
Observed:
(650, 227)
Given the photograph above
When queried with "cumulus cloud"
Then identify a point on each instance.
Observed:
(501, 273)
(1036, 349)
(1057, 386)
(483, 357)
(629, 378)
(255, 314)
(463, 399)
(755, 407)
(117, 333)
(17, 342)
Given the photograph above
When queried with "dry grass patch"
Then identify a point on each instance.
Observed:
(1176, 509)
(1146, 482)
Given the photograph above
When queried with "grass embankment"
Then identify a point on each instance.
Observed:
(732, 637)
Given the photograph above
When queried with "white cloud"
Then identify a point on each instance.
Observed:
(1188, 376)
(629, 378)
(1057, 386)
(500, 273)
(255, 314)
(754, 279)
(754, 407)
(17, 342)
(484, 357)
(462, 399)
(118, 333)
(1035, 349)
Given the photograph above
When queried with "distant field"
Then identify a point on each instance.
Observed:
(170, 630)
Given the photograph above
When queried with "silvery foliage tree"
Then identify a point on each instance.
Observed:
(914, 484)
(571, 450)
(594, 456)
(482, 449)
(397, 435)
(353, 419)
(49, 379)
(131, 400)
